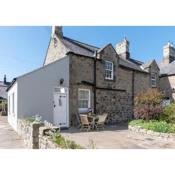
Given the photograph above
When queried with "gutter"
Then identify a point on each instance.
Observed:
(12, 83)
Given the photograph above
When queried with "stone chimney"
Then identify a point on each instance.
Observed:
(168, 53)
(122, 49)
(58, 31)
(5, 81)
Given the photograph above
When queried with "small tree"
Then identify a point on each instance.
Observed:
(148, 105)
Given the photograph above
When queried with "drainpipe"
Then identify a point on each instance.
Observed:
(95, 81)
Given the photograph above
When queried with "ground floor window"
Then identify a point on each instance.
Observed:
(9, 104)
(84, 98)
(13, 103)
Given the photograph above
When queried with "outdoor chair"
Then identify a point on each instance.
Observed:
(85, 124)
(99, 124)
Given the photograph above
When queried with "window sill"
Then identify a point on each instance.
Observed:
(109, 79)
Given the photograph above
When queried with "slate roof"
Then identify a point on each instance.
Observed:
(136, 61)
(130, 65)
(89, 50)
(167, 69)
(3, 88)
(79, 47)
(146, 65)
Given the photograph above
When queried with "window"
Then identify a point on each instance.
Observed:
(153, 80)
(13, 103)
(84, 98)
(108, 70)
(9, 104)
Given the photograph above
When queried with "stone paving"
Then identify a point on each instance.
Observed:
(116, 137)
(8, 137)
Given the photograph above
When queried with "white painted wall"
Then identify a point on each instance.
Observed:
(35, 89)
(12, 116)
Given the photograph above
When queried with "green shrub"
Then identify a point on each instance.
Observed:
(154, 125)
(64, 143)
(148, 105)
(168, 114)
(3, 105)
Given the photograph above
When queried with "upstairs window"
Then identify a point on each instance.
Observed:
(84, 98)
(153, 80)
(109, 70)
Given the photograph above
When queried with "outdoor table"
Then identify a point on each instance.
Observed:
(92, 118)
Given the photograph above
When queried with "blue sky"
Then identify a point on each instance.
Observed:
(23, 49)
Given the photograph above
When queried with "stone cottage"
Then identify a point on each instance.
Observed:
(77, 77)
(107, 77)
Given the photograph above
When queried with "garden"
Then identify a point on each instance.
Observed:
(3, 107)
(150, 113)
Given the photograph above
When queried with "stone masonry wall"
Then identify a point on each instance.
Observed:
(29, 131)
(141, 82)
(34, 135)
(118, 104)
(167, 85)
(44, 140)
(81, 69)
(56, 50)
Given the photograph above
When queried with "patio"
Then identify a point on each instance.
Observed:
(115, 137)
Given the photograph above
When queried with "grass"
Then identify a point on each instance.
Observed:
(154, 125)
(64, 143)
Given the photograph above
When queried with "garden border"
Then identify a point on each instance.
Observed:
(159, 135)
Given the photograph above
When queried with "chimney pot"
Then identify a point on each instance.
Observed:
(122, 49)
(168, 53)
(5, 79)
(58, 31)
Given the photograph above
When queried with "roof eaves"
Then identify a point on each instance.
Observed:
(12, 83)
(80, 44)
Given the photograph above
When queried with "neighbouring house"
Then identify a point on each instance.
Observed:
(3, 94)
(167, 72)
(77, 77)
(3, 87)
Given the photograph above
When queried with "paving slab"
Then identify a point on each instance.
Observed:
(8, 137)
(116, 137)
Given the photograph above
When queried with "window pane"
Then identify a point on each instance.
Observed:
(83, 103)
(84, 96)
(108, 70)
(108, 74)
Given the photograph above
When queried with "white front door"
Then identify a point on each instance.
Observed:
(61, 114)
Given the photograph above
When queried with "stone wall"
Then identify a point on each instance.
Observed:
(117, 101)
(34, 135)
(159, 135)
(117, 104)
(141, 82)
(81, 69)
(29, 131)
(45, 141)
(56, 50)
(167, 85)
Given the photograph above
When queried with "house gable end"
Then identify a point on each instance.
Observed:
(56, 50)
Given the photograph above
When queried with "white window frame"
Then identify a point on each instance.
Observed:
(153, 80)
(13, 103)
(89, 99)
(112, 70)
(9, 103)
